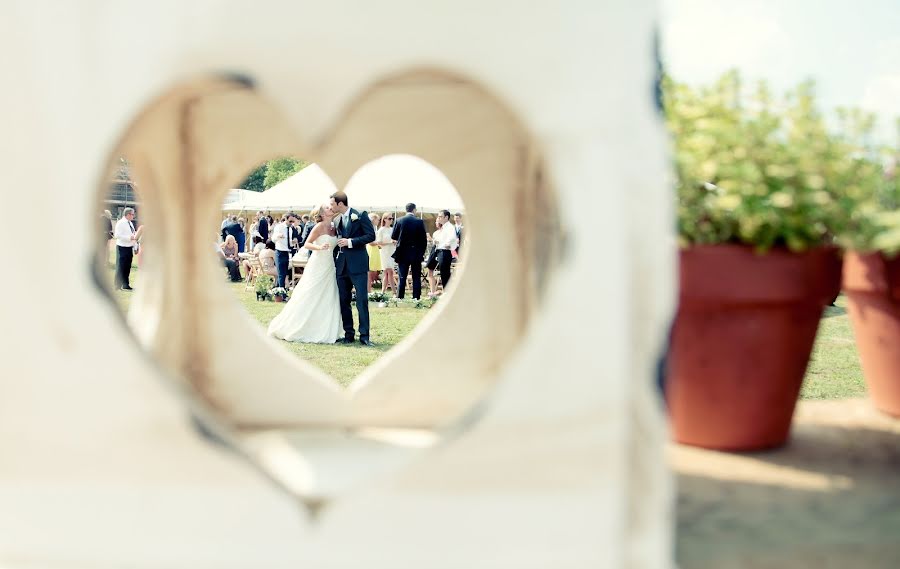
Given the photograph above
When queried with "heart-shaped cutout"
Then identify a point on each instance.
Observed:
(192, 141)
(310, 322)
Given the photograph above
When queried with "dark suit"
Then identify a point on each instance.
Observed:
(305, 231)
(234, 229)
(293, 233)
(409, 233)
(263, 228)
(351, 265)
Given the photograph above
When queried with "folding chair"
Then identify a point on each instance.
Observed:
(255, 270)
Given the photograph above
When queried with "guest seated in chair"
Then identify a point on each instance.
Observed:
(230, 253)
(258, 245)
(267, 259)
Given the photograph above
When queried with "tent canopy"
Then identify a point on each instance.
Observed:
(301, 192)
(388, 184)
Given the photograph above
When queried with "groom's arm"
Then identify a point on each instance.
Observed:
(368, 232)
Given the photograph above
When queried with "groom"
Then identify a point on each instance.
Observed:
(351, 264)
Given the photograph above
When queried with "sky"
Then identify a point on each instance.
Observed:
(851, 48)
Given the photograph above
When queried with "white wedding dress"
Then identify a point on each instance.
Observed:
(313, 313)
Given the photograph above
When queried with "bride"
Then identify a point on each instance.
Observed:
(313, 313)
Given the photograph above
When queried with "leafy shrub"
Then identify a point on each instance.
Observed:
(765, 171)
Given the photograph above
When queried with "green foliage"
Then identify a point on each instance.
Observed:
(278, 291)
(280, 169)
(765, 171)
(377, 296)
(256, 181)
(264, 284)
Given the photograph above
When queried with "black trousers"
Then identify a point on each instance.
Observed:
(124, 256)
(415, 267)
(234, 271)
(281, 265)
(444, 259)
(360, 282)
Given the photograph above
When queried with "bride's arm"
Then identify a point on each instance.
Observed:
(316, 232)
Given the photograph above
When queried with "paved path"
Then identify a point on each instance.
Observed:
(830, 498)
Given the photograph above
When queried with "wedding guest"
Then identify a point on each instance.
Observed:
(254, 230)
(229, 247)
(306, 226)
(258, 246)
(445, 241)
(374, 254)
(125, 240)
(431, 263)
(387, 246)
(106, 225)
(457, 221)
(106, 236)
(230, 253)
(282, 250)
(267, 259)
(234, 229)
(411, 242)
(242, 236)
(262, 226)
(139, 245)
(293, 233)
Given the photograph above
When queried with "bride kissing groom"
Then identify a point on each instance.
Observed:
(320, 303)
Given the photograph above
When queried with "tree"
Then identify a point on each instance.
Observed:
(255, 182)
(280, 169)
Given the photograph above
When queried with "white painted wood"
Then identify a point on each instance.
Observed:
(547, 452)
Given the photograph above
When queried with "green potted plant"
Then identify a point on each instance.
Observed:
(871, 278)
(380, 298)
(758, 210)
(278, 294)
(263, 284)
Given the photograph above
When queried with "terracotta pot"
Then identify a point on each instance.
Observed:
(741, 341)
(278, 298)
(872, 286)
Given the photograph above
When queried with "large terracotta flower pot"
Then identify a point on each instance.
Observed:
(741, 341)
(872, 286)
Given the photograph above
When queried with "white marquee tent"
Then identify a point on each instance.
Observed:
(301, 192)
(390, 182)
(385, 184)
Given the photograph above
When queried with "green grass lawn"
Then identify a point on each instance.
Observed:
(833, 373)
(343, 362)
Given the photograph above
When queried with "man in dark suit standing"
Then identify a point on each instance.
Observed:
(305, 228)
(293, 233)
(351, 264)
(262, 226)
(234, 229)
(409, 233)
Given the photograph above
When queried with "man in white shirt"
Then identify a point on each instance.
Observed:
(125, 241)
(282, 250)
(445, 242)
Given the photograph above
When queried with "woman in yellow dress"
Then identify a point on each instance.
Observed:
(374, 254)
